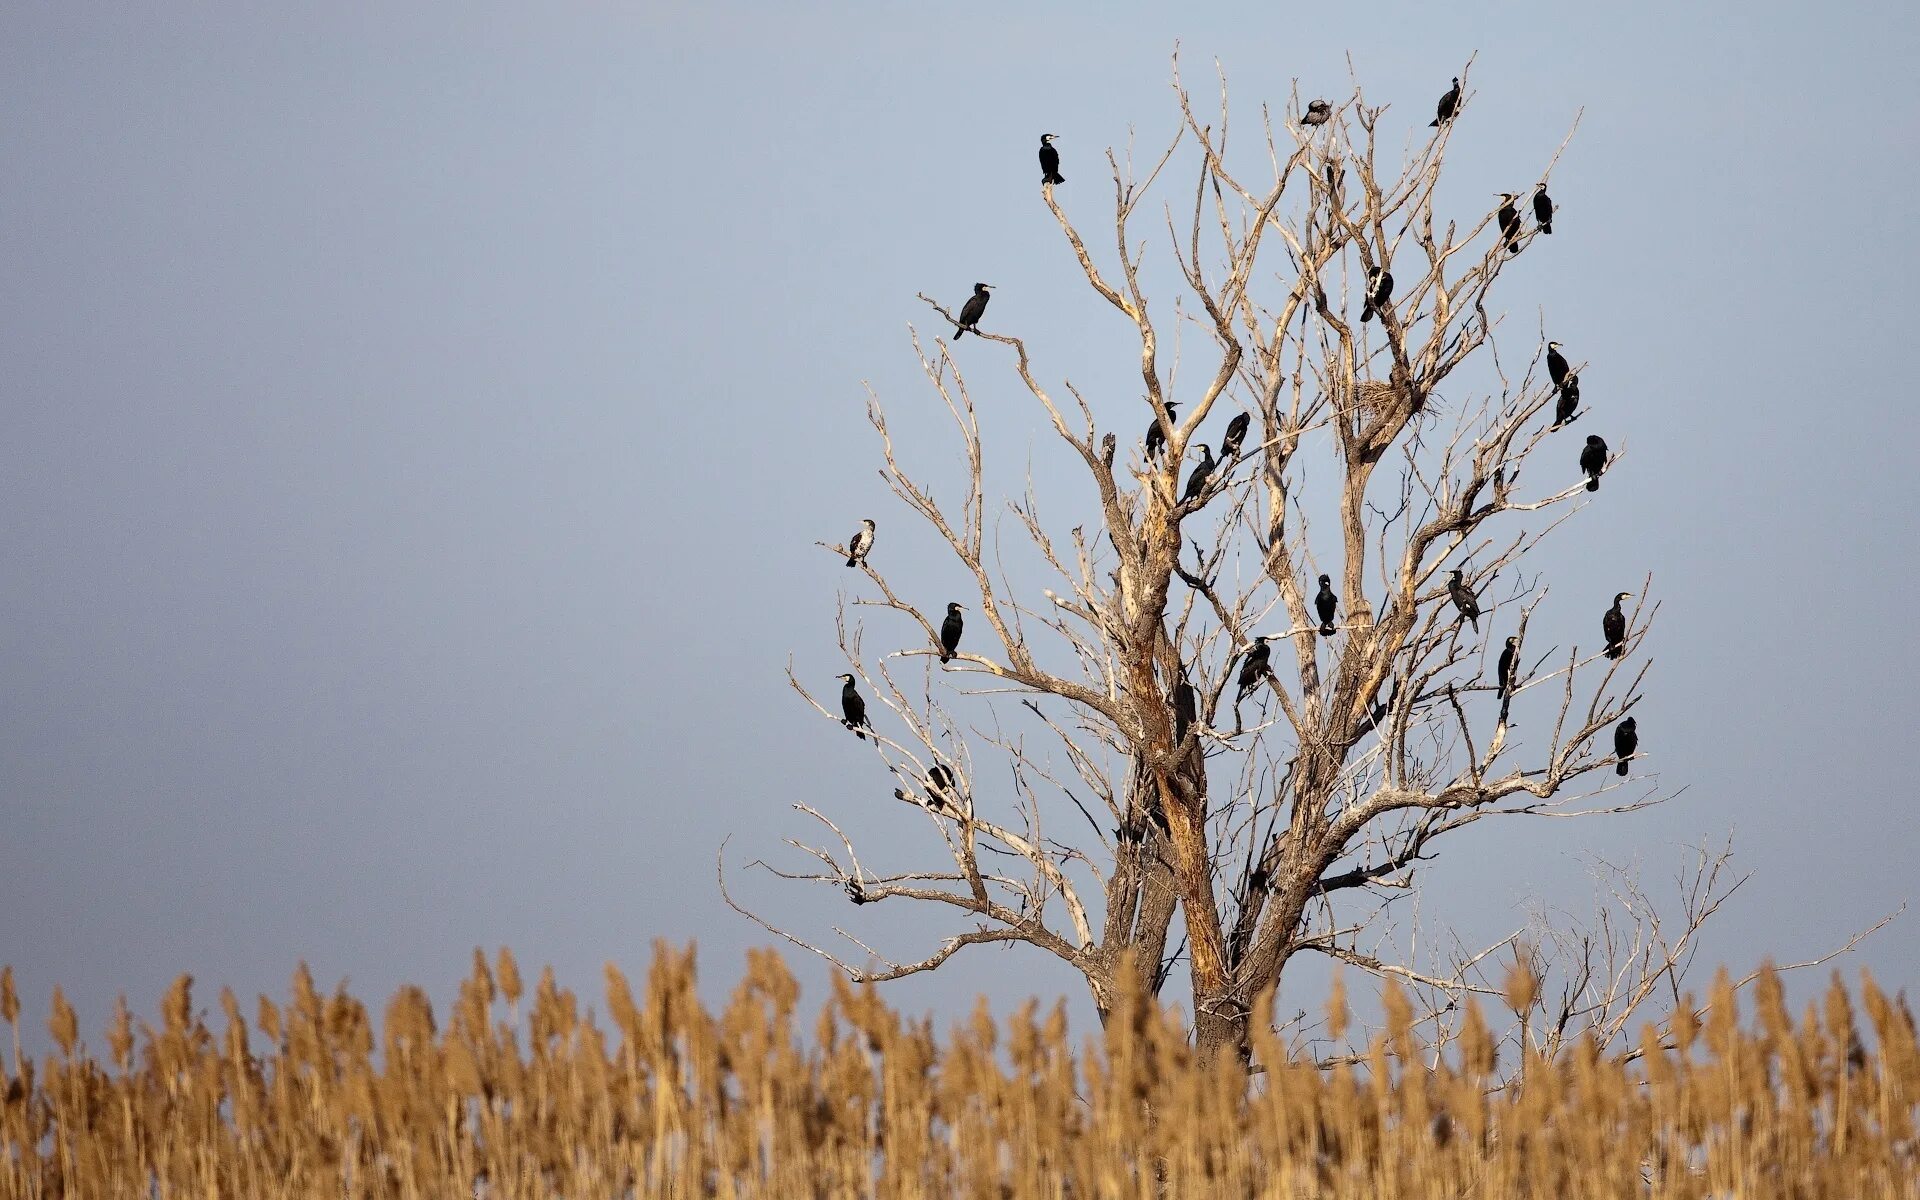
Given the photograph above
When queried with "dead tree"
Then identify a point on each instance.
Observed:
(1281, 823)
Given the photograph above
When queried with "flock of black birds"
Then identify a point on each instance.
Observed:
(1255, 664)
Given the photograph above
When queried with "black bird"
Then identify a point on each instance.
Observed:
(950, 632)
(1380, 710)
(1543, 209)
(1614, 627)
(1050, 160)
(1185, 709)
(1254, 667)
(1449, 104)
(1379, 292)
(860, 543)
(940, 785)
(1556, 364)
(1157, 432)
(1108, 445)
(1236, 434)
(1197, 482)
(1509, 222)
(1319, 112)
(973, 309)
(1626, 739)
(1325, 604)
(1508, 672)
(1464, 599)
(854, 708)
(1569, 403)
(1593, 460)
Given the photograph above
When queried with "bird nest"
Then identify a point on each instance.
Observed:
(1375, 396)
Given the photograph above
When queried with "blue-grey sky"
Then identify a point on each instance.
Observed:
(419, 420)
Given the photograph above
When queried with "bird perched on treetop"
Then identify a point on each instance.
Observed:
(1157, 432)
(1556, 364)
(1326, 603)
(1614, 627)
(1449, 104)
(853, 708)
(1197, 482)
(1507, 674)
(1593, 460)
(1509, 222)
(1319, 112)
(1254, 667)
(1463, 598)
(950, 632)
(1236, 433)
(973, 310)
(1543, 209)
(1379, 292)
(1050, 160)
(860, 543)
(1108, 446)
(1626, 739)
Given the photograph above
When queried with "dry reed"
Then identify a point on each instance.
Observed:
(668, 1099)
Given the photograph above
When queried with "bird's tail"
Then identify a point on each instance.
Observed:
(1622, 768)
(1326, 629)
(1434, 124)
(851, 561)
(1056, 177)
(1546, 227)
(1616, 651)
(1593, 485)
(946, 658)
(1366, 314)
(1476, 623)
(959, 331)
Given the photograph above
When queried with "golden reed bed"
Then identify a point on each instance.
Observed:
(511, 1096)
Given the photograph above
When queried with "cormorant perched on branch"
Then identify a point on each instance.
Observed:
(1319, 112)
(1326, 603)
(1614, 627)
(950, 632)
(1569, 402)
(1254, 667)
(860, 543)
(1556, 364)
(973, 310)
(1509, 222)
(940, 784)
(1197, 482)
(1186, 709)
(1507, 674)
(1236, 433)
(1050, 160)
(1157, 432)
(1626, 739)
(853, 708)
(1464, 599)
(1380, 710)
(1593, 460)
(1449, 104)
(1543, 209)
(1379, 292)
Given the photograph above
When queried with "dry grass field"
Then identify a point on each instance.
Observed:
(511, 1094)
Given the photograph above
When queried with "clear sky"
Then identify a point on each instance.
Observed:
(418, 420)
